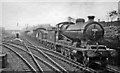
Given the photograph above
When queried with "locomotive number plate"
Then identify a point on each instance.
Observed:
(94, 29)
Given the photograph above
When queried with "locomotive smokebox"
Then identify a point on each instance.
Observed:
(91, 18)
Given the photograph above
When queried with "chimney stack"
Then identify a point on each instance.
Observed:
(91, 18)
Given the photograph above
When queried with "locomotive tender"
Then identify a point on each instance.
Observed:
(78, 41)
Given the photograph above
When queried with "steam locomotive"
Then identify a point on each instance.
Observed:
(78, 41)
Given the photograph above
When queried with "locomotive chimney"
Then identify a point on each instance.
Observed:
(91, 18)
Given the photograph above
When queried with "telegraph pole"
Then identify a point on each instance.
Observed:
(119, 10)
(26, 26)
(17, 25)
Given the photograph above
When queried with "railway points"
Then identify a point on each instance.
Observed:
(14, 63)
(26, 50)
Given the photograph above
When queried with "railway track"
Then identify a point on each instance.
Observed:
(47, 58)
(57, 57)
(108, 69)
(7, 38)
(60, 58)
(14, 62)
(60, 68)
(44, 65)
(60, 61)
(22, 58)
(112, 69)
(53, 53)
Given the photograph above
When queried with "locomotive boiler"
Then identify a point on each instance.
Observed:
(83, 31)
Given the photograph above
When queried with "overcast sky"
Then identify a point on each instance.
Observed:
(35, 12)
